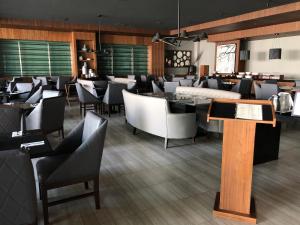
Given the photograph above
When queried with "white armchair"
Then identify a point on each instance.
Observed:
(153, 116)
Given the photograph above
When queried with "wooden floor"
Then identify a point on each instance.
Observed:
(141, 183)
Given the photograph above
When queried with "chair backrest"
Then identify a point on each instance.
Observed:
(17, 185)
(23, 87)
(50, 94)
(245, 87)
(10, 119)
(61, 81)
(155, 88)
(144, 78)
(100, 83)
(190, 77)
(48, 115)
(213, 83)
(113, 94)
(267, 90)
(146, 113)
(91, 123)
(36, 82)
(197, 83)
(43, 79)
(186, 82)
(110, 78)
(170, 87)
(177, 79)
(36, 96)
(131, 77)
(84, 95)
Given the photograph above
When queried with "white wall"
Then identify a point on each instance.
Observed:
(204, 54)
(289, 65)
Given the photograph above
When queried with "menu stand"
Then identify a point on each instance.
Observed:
(234, 201)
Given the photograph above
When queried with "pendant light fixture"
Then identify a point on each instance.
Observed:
(176, 40)
(100, 51)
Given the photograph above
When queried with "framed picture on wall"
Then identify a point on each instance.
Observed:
(178, 58)
(226, 58)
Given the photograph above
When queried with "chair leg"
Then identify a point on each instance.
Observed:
(194, 140)
(80, 109)
(45, 205)
(109, 108)
(166, 143)
(134, 131)
(96, 191)
(86, 185)
(62, 133)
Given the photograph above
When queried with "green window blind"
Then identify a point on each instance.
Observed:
(29, 58)
(123, 60)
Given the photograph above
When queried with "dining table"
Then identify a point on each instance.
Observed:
(33, 142)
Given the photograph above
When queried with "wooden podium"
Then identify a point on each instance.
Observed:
(234, 200)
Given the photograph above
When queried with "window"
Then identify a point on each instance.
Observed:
(122, 60)
(225, 62)
(30, 58)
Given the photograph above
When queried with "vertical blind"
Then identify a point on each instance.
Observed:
(27, 58)
(123, 60)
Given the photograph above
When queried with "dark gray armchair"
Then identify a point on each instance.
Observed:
(170, 87)
(156, 88)
(113, 96)
(10, 119)
(78, 161)
(61, 81)
(48, 115)
(18, 203)
(87, 100)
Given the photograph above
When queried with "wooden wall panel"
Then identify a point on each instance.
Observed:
(125, 39)
(158, 59)
(37, 35)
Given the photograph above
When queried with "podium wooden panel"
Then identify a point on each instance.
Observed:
(234, 200)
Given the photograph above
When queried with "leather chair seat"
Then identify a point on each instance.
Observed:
(47, 165)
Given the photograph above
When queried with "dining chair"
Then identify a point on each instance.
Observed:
(61, 81)
(186, 83)
(156, 88)
(177, 79)
(48, 116)
(213, 83)
(197, 83)
(190, 77)
(100, 87)
(265, 91)
(243, 87)
(36, 96)
(87, 101)
(50, 93)
(113, 96)
(170, 87)
(77, 160)
(18, 205)
(43, 79)
(10, 119)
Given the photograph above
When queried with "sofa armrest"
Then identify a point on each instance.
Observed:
(182, 125)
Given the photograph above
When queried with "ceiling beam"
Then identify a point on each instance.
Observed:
(291, 27)
(250, 18)
(65, 26)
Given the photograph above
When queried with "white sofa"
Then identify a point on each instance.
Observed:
(212, 126)
(153, 116)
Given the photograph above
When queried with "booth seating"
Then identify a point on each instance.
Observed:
(153, 116)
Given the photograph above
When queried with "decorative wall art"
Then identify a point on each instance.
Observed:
(225, 60)
(178, 58)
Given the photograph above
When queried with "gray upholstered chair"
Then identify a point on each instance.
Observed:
(50, 93)
(186, 82)
(170, 87)
(177, 79)
(61, 81)
(132, 87)
(243, 87)
(87, 101)
(101, 86)
(25, 90)
(78, 160)
(213, 83)
(18, 205)
(190, 77)
(113, 96)
(10, 119)
(36, 97)
(156, 88)
(48, 115)
(265, 91)
(43, 79)
(197, 83)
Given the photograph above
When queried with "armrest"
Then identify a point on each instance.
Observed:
(181, 125)
(72, 141)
